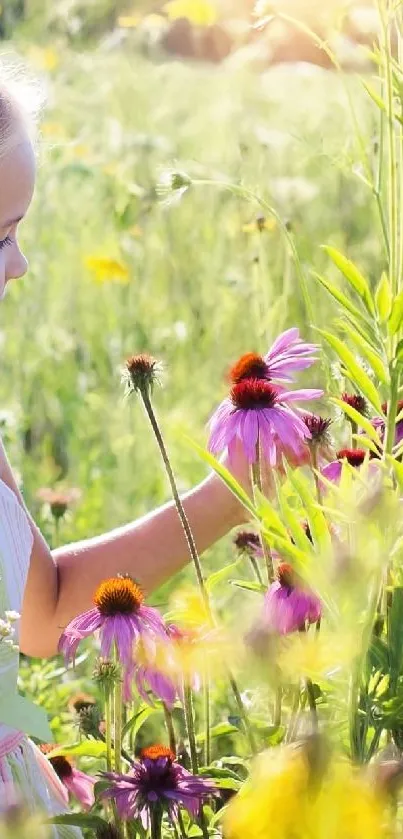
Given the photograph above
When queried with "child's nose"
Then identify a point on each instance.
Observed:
(16, 266)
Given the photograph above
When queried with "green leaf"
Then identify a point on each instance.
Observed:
(248, 585)
(396, 316)
(369, 353)
(87, 748)
(218, 576)
(375, 96)
(224, 474)
(399, 353)
(361, 422)
(384, 298)
(353, 275)
(84, 820)
(222, 729)
(136, 722)
(316, 519)
(218, 772)
(362, 381)
(340, 297)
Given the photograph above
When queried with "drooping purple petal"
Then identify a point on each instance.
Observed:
(332, 471)
(82, 787)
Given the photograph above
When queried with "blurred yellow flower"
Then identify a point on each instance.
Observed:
(284, 798)
(106, 269)
(45, 59)
(259, 224)
(129, 21)
(188, 609)
(198, 12)
(53, 129)
(316, 655)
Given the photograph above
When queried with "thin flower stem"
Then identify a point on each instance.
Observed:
(181, 825)
(117, 698)
(257, 481)
(354, 430)
(393, 197)
(314, 464)
(392, 413)
(156, 822)
(207, 738)
(108, 726)
(294, 716)
(169, 723)
(190, 727)
(242, 713)
(256, 569)
(178, 503)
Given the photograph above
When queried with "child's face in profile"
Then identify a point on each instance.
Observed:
(17, 179)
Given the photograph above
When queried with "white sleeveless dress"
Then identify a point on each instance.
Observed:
(25, 774)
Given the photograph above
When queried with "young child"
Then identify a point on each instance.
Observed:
(49, 588)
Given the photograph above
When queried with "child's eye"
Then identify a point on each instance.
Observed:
(7, 241)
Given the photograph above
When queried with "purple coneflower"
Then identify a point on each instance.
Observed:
(156, 782)
(120, 616)
(288, 605)
(355, 457)
(288, 355)
(77, 783)
(257, 410)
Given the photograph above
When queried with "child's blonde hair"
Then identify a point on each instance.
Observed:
(21, 99)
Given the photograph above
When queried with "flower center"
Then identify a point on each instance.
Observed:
(157, 751)
(355, 457)
(118, 596)
(319, 428)
(286, 575)
(253, 395)
(61, 764)
(249, 366)
(247, 541)
(356, 401)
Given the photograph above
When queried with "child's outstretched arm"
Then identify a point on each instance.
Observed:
(153, 548)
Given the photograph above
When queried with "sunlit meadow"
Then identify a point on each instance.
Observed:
(191, 214)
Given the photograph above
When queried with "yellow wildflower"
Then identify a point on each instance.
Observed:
(285, 797)
(106, 269)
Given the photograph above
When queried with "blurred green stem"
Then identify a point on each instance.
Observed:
(391, 414)
(108, 727)
(243, 714)
(393, 195)
(207, 739)
(169, 724)
(190, 727)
